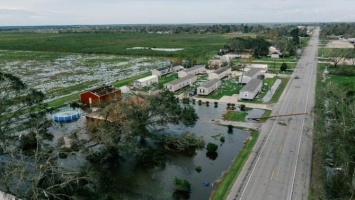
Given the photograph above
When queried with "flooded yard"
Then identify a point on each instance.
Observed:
(157, 183)
(59, 74)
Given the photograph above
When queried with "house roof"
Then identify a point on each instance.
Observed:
(210, 83)
(251, 85)
(177, 81)
(147, 78)
(221, 70)
(251, 72)
(259, 66)
(194, 68)
(104, 90)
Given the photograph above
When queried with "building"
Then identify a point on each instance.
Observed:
(180, 83)
(251, 89)
(167, 70)
(263, 67)
(246, 55)
(213, 63)
(198, 69)
(105, 93)
(220, 73)
(143, 82)
(253, 73)
(208, 87)
(274, 52)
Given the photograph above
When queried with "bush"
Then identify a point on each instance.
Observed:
(182, 184)
(198, 169)
(211, 148)
(242, 107)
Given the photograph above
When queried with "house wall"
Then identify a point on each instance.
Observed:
(219, 76)
(275, 56)
(146, 82)
(250, 95)
(85, 97)
(207, 91)
(182, 74)
(111, 96)
(156, 72)
(193, 72)
(183, 84)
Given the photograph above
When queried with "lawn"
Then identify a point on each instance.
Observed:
(235, 116)
(233, 172)
(228, 88)
(167, 79)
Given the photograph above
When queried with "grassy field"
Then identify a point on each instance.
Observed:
(198, 47)
(235, 116)
(233, 172)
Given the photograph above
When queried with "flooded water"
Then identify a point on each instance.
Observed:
(255, 113)
(271, 92)
(157, 183)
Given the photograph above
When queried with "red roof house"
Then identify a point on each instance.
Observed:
(106, 93)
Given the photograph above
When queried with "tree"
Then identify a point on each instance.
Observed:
(283, 67)
(295, 36)
(211, 148)
(335, 56)
(242, 107)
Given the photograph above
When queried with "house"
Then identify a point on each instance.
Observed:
(253, 73)
(198, 69)
(105, 93)
(228, 57)
(208, 87)
(274, 52)
(180, 83)
(219, 73)
(246, 55)
(167, 70)
(146, 81)
(213, 63)
(263, 67)
(251, 89)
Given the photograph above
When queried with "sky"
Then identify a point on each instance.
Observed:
(86, 12)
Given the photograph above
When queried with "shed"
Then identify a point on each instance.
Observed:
(146, 81)
(208, 87)
(198, 69)
(263, 67)
(253, 73)
(219, 73)
(251, 89)
(180, 83)
(105, 93)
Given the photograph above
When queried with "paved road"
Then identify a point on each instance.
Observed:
(279, 166)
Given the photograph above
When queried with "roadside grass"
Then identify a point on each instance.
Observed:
(326, 52)
(280, 89)
(235, 116)
(233, 172)
(317, 188)
(284, 59)
(267, 113)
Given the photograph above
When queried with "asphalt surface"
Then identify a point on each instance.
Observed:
(279, 166)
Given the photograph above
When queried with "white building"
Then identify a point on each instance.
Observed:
(146, 81)
(250, 90)
(180, 83)
(167, 70)
(274, 52)
(253, 73)
(198, 69)
(208, 87)
(220, 73)
(263, 67)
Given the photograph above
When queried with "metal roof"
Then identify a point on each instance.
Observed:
(194, 68)
(177, 81)
(251, 85)
(221, 70)
(210, 83)
(251, 72)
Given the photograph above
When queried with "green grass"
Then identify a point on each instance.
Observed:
(167, 79)
(198, 47)
(235, 116)
(279, 90)
(228, 88)
(267, 113)
(233, 172)
(269, 59)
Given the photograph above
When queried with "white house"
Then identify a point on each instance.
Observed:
(198, 69)
(146, 81)
(274, 52)
(263, 67)
(180, 83)
(167, 70)
(208, 87)
(219, 73)
(251, 89)
(253, 73)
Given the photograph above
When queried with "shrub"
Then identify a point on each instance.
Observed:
(182, 184)
(211, 148)
(198, 169)
(242, 107)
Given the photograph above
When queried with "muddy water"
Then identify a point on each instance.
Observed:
(157, 183)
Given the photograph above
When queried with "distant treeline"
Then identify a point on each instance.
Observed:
(347, 30)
